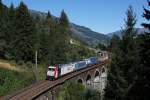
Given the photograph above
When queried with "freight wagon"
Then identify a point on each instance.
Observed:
(91, 60)
(53, 72)
(66, 68)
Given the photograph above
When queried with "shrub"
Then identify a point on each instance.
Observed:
(20, 62)
(12, 80)
(29, 64)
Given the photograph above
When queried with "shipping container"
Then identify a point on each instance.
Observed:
(66, 68)
(93, 60)
(80, 64)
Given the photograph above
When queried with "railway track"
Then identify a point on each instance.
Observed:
(41, 87)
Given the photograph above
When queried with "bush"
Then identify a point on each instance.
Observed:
(29, 64)
(13, 80)
(21, 63)
(92, 95)
(76, 91)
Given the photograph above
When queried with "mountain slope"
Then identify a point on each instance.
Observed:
(87, 35)
(82, 33)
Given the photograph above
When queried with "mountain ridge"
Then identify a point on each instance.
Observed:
(83, 33)
(119, 32)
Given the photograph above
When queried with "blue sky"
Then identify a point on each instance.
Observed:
(102, 16)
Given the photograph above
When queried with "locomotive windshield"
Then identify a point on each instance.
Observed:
(51, 69)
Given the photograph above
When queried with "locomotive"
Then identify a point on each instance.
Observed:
(56, 71)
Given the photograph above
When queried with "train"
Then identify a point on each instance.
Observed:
(58, 70)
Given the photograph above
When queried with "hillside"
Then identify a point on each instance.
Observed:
(87, 35)
(82, 33)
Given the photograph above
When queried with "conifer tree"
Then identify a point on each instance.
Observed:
(52, 39)
(40, 38)
(3, 30)
(62, 39)
(146, 15)
(130, 50)
(48, 39)
(25, 39)
(115, 80)
(141, 88)
(64, 20)
(2, 41)
(130, 47)
(114, 43)
(124, 63)
(11, 26)
(44, 45)
(146, 39)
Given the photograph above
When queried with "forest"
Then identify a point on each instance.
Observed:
(129, 68)
(22, 34)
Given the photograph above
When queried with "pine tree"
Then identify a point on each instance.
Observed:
(115, 80)
(63, 21)
(52, 39)
(48, 39)
(129, 31)
(146, 39)
(146, 15)
(11, 31)
(44, 48)
(125, 61)
(114, 43)
(131, 59)
(41, 38)
(141, 88)
(62, 39)
(2, 41)
(25, 38)
(130, 47)
(3, 30)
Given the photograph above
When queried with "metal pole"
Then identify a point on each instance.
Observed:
(36, 70)
(101, 84)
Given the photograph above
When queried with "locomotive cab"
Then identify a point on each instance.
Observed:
(52, 72)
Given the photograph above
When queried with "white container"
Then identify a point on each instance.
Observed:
(67, 68)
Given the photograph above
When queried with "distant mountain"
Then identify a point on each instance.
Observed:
(87, 35)
(82, 33)
(120, 33)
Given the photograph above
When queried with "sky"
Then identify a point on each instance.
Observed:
(103, 16)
